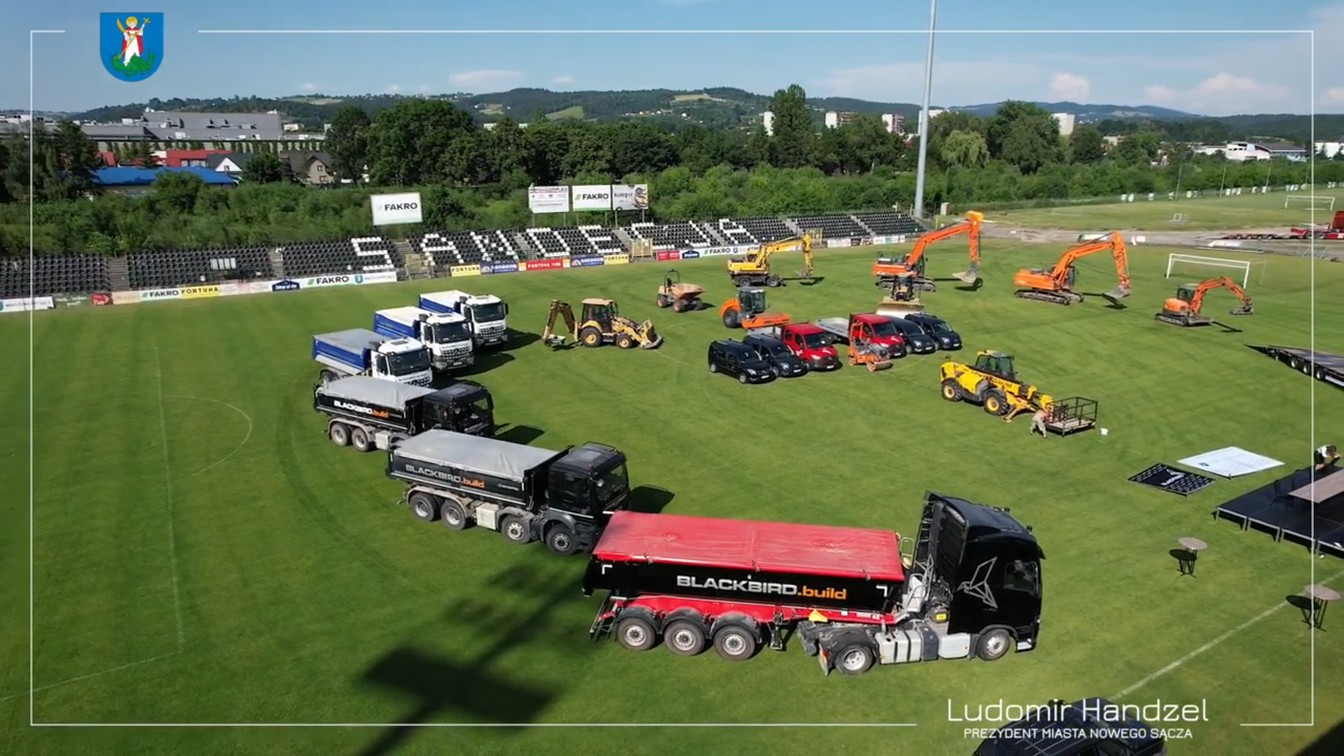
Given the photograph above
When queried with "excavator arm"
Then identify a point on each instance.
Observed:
(1197, 300)
(1115, 244)
(755, 267)
(912, 262)
(559, 310)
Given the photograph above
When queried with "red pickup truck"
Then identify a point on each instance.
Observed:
(871, 329)
(811, 344)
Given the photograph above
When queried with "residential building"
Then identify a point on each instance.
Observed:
(768, 121)
(253, 132)
(1066, 122)
(1243, 151)
(311, 168)
(229, 163)
(895, 123)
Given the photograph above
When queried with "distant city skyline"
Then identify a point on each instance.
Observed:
(1198, 73)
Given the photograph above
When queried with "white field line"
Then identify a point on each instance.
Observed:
(168, 489)
(92, 675)
(246, 437)
(1207, 646)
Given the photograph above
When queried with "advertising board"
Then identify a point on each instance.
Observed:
(668, 254)
(617, 259)
(630, 196)
(553, 263)
(393, 209)
(592, 197)
(26, 304)
(587, 261)
(548, 199)
(510, 266)
(464, 270)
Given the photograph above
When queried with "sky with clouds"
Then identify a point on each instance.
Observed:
(986, 51)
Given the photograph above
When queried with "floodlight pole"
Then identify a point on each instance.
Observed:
(924, 115)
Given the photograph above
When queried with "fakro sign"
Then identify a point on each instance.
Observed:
(594, 197)
(393, 209)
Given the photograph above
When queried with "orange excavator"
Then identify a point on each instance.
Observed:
(887, 270)
(1184, 308)
(1056, 284)
(747, 310)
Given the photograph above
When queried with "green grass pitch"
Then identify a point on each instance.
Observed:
(203, 554)
(1203, 214)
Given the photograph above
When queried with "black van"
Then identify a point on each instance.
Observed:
(937, 329)
(780, 358)
(739, 360)
(915, 339)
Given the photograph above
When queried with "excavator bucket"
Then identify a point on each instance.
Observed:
(1245, 309)
(970, 275)
(889, 306)
(651, 338)
(1117, 294)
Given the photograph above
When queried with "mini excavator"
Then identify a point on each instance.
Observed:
(601, 323)
(1056, 284)
(748, 310)
(1184, 308)
(886, 269)
(754, 269)
(901, 297)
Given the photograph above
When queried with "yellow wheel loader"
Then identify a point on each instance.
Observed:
(992, 383)
(601, 322)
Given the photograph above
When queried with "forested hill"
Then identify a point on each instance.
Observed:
(721, 107)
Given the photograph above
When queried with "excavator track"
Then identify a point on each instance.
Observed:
(1053, 297)
(1184, 321)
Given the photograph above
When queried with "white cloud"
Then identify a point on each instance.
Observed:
(1067, 86)
(1333, 96)
(309, 87)
(563, 80)
(955, 82)
(485, 80)
(394, 88)
(1226, 93)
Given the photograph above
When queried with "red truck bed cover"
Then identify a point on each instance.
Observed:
(751, 545)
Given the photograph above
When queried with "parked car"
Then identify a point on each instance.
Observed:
(740, 361)
(915, 338)
(777, 354)
(936, 328)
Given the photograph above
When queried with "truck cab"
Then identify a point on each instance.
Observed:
(877, 331)
(464, 407)
(486, 315)
(810, 343)
(402, 360)
(446, 334)
(360, 352)
(591, 479)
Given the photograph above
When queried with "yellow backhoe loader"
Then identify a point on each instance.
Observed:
(601, 323)
(754, 269)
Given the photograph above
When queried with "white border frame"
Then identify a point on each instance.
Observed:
(32, 35)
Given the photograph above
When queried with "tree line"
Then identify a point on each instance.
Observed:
(472, 177)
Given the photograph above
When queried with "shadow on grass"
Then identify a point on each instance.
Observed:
(517, 340)
(650, 499)
(487, 360)
(1332, 742)
(1302, 604)
(1185, 561)
(1227, 327)
(469, 688)
(520, 434)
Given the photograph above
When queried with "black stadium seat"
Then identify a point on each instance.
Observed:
(831, 226)
(764, 230)
(362, 254)
(887, 223)
(166, 269)
(52, 274)
(671, 235)
(444, 249)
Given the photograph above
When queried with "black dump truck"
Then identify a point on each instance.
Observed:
(564, 498)
(370, 413)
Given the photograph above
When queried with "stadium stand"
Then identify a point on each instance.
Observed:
(766, 230)
(549, 243)
(889, 223)
(168, 268)
(444, 249)
(566, 242)
(365, 254)
(601, 240)
(66, 274)
(671, 235)
(732, 231)
(831, 226)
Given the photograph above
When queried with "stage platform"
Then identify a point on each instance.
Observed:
(1283, 509)
(1326, 367)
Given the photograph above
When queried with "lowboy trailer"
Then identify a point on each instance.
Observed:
(972, 590)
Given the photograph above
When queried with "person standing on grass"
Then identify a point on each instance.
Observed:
(1038, 423)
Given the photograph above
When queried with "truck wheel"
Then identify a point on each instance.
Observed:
(855, 659)
(730, 319)
(995, 402)
(636, 633)
(742, 379)
(560, 540)
(424, 507)
(678, 305)
(735, 643)
(993, 645)
(339, 434)
(590, 337)
(684, 638)
(454, 516)
(663, 300)
(359, 439)
(951, 390)
(624, 342)
(515, 530)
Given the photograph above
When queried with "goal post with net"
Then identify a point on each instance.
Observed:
(1185, 265)
(1324, 202)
